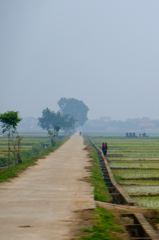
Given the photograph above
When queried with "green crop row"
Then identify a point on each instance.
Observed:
(132, 164)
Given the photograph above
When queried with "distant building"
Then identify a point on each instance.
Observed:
(130, 134)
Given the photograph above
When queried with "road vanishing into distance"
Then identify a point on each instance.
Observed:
(40, 203)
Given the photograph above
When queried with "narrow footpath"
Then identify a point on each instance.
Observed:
(40, 203)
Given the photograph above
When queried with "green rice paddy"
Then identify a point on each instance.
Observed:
(142, 190)
(148, 201)
(27, 143)
(135, 165)
(137, 173)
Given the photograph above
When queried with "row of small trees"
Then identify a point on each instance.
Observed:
(73, 113)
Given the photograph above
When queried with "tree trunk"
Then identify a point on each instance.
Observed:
(9, 149)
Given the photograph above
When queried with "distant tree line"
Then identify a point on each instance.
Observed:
(130, 125)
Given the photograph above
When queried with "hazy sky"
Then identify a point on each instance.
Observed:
(104, 52)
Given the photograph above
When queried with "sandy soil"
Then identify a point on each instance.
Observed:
(41, 203)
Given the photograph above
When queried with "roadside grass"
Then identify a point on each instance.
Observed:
(13, 171)
(101, 192)
(105, 228)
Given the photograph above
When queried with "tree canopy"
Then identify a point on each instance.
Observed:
(75, 108)
(51, 120)
(9, 120)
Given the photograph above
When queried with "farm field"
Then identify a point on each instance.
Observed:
(27, 142)
(135, 165)
(30, 144)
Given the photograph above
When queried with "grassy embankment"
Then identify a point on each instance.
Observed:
(105, 227)
(101, 192)
(105, 224)
(32, 150)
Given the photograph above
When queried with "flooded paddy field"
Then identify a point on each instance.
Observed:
(135, 165)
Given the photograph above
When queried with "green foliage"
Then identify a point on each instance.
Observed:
(16, 148)
(37, 147)
(52, 137)
(51, 120)
(9, 120)
(53, 142)
(57, 129)
(3, 161)
(104, 228)
(74, 108)
(46, 119)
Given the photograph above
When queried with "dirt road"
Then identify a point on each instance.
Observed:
(40, 203)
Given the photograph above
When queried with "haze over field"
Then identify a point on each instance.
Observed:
(105, 53)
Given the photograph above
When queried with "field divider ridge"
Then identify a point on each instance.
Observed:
(123, 197)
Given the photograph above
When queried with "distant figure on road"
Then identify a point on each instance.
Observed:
(104, 149)
(80, 133)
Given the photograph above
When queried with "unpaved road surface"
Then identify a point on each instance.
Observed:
(40, 203)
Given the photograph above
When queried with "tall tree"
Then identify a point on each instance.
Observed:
(75, 108)
(9, 122)
(53, 122)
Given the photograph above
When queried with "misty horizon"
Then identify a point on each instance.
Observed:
(99, 118)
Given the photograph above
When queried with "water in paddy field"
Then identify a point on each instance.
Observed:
(147, 201)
